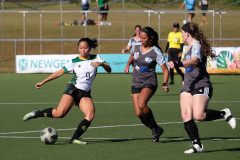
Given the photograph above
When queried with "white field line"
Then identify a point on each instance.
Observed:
(102, 138)
(98, 127)
(116, 102)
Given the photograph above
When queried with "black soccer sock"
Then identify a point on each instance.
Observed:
(148, 120)
(192, 131)
(213, 115)
(45, 113)
(82, 127)
(172, 74)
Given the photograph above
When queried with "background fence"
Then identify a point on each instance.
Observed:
(39, 31)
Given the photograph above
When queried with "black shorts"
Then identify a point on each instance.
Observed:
(136, 90)
(76, 93)
(202, 91)
(173, 54)
(193, 14)
(204, 7)
(103, 9)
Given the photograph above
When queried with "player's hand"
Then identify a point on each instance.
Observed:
(165, 54)
(126, 70)
(96, 64)
(171, 64)
(165, 89)
(38, 85)
(124, 51)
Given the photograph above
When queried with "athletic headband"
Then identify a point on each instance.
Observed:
(187, 28)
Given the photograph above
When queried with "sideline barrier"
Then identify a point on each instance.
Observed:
(227, 62)
(52, 63)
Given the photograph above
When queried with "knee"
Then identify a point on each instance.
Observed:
(186, 116)
(199, 117)
(89, 116)
(142, 105)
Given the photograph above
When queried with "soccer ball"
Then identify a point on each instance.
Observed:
(184, 21)
(49, 135)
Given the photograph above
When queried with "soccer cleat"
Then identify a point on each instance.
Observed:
(171, 83)
(196, 149)
(30, 115)
(156, 133)
(76, 141)
(229, 118)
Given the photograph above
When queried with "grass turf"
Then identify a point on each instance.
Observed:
(121, 138)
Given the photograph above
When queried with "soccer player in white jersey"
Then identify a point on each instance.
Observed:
(135, 40)
(197, 89)
(78, 92)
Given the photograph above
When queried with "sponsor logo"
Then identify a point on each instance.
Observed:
(45, 114)
(148, 60)
(136, 55)
(188, 57)
(137, 68)
(200, 90)
(23, 64)
(84, 128)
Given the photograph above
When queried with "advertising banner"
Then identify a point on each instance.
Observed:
(226, 62)
(52, 63)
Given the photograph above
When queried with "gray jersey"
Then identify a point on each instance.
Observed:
(196, 77)
(145, 64)
(133, 42)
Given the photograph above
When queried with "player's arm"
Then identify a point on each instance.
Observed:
(182, 6)
(107, 67)
(188, 63)
(165, 77)
(130, 61)
(51, 77)
(126, 49)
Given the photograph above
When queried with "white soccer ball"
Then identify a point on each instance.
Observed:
(49, 135)
(184, 21)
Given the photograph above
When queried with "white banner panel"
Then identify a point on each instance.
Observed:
(41, 63)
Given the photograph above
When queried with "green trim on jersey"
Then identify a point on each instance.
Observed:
(65, 69)
(77, 59)
(73, 81)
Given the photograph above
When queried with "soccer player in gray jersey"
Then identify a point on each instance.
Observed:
(78, 92)
(197, 88)
(144, 82)
(135, 40)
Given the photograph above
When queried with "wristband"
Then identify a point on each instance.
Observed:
(164, 84)
(178, 63)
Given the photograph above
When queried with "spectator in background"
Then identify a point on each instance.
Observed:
(190, 6)
(85, 7)
(203, 4)
(103, 6)
(174, 49)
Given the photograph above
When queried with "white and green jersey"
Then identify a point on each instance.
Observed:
(83, 70)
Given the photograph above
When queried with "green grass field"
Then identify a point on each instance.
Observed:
(116, 132)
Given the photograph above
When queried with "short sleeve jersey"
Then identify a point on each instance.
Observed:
(83, 70)
(133, 41)
(203, 2)
(190, 4)
(196, 77)
(101, 2)
(175, 40)
(145, 65)
(85, 2)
